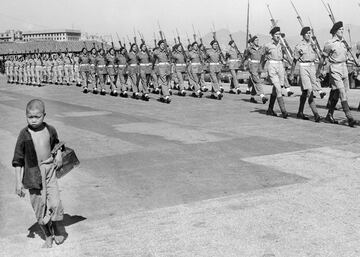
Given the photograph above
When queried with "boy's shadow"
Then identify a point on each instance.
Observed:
(67, 221)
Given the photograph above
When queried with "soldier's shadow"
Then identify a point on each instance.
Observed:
(67, 221)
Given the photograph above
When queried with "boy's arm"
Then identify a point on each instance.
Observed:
(19, 187)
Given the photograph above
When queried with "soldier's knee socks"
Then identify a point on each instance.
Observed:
(282, 105)
(346, 109)
(312, 104)
(272, 101)
(333, 99)
(302, 101)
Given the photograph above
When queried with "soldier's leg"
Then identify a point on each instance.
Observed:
(181, 83)
(344, 101)
(214, 76)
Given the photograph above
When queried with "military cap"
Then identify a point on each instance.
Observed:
(252, 39)
(111, 49)
(336, 27)
(121, 48)
(175, 47)
(194, 43)
(304, 30)
(141, 45)
(213, 42)
(132, 45)
(274, 30)
(189, 47)
(160, 42)
(231, 42)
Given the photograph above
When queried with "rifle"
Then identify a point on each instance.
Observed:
(214, 37)
(247, 26)
(162, 37)
(155, 43)
(313, 41)
(332, 18)
(236, 48)
(182, 47)
(135, 41)
(129, 41)
(194, 34)
(143, 42)
(283, 42)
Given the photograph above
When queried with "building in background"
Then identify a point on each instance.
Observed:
(55, 35)
(11, 36)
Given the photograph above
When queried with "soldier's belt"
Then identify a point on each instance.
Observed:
(306, 63)
(254, 61)
(180, 64)
(163, 63)
(101, 66)
(121, 65)
(133, 65)
(110, 66)
(274, 61)
(145, 64)
(84, 64)
(233, 60)
(195, 63)
(92, 64)
(214, 63)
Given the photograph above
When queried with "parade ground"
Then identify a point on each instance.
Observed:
(197, 177)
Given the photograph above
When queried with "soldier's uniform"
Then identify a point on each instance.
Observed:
(54, 68)
(7, 69)
(32, 70)
(16, 70)
(196, 69)
(111, 62)
(68, 69)
(101, 70)
(76, 69)
(133, 70)
(84, 67)
(215, 61)
(38, 70)
(93, 74)
(121, 68)
(145, 69)
(336, 52)
(233, 62)
(21, 70)
(273, 52)
(60, 69)
(253, 55)
(11, 69)
(306, 56)
(180, 67)
(163, 70)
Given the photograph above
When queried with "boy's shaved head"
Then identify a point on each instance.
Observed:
(35, 104)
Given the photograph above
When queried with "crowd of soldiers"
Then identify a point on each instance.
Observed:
(163, 69)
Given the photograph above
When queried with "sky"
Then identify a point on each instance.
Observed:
(108, 17)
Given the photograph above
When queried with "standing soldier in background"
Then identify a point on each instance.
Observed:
(273, 53)
(111, 62)
(233, 60)
(60, 68)
(133, 70)
(7, 68)
(68, 68)
(48, 65)
(32, 69)
(306, 56)
(84, 67)
(11, 68)
(253, 55)
(38, 69)
(179, 57)
(121, 70)
(215, 61)
(101, 69)
(335, 52)
(21, 69)
(145, 67)
(16, 69)
(54, 68)
(27, 72)
(162, 60)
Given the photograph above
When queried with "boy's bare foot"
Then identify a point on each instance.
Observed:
(48, 242)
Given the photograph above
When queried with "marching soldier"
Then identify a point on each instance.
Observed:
(180, 67)
(205, 68)
(162, 61)
(145, 69)
(76, 69)
(122, 70)
(233, 60)
(84, 67)
(335, 52)
(195, 69)
(68, 68)
(101, 70)
(215, 61)
(93, 73)
(305, 54)
(111, 61)
(273, 53)
(133, 69)
(253, 55)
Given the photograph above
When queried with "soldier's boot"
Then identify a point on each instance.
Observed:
(270, 110)
(59, 232)
(48, 236)
(313, 107)
(300, 113)
(281, 103)
(348, 114)
(333, 99)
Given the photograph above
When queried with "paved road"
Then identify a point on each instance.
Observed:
(198, 177)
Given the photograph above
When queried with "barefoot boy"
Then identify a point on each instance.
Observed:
(35, 168)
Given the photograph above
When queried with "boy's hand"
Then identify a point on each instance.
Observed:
(19, 189)
(48, 160)
(58, 159)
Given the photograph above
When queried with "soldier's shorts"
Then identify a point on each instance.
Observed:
(339, 77)
(307, 75)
